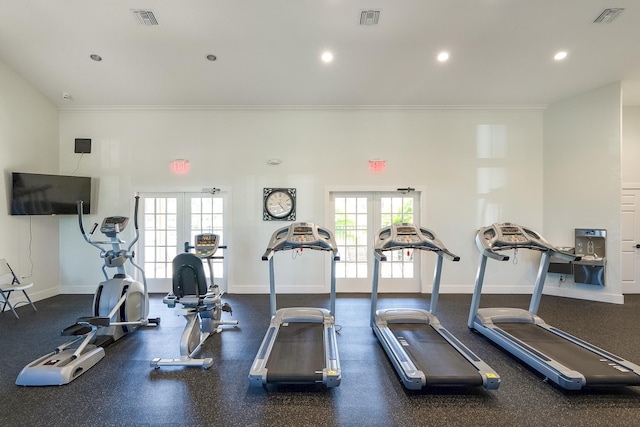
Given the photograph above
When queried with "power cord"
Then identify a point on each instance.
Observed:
(29, 251)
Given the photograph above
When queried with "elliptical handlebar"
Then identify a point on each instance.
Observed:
(86, 236)
(135, 223)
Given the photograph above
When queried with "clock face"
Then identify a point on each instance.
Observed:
(279, 204)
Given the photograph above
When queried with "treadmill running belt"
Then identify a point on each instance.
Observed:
(297, 355)
(597, 371)
(441, 363)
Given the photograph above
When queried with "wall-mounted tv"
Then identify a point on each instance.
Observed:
(39, 194)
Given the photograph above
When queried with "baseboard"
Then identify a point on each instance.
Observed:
(468, 289)
(282, 289)
(78, 290)
(585, 295)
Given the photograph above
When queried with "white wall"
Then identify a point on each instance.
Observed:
(29, 143)
(477, 166)
(631, 145)
(582, 181)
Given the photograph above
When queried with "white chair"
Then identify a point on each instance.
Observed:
(9, 283)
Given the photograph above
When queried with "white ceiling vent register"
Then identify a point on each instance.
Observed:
(369, 17)
(608, 15)
(145, 17)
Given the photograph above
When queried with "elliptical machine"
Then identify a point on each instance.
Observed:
(120, 306)
(201, 305)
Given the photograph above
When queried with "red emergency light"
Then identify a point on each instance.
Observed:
(377, 166)
(180, 166)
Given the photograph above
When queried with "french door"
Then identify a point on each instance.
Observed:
(170, 220)
(357, 217)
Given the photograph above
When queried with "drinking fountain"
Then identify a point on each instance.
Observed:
(590, 244)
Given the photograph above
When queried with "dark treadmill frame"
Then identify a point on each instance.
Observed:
(300, 346)
(422, 351)
(566, 360)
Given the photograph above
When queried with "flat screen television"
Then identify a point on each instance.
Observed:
(40, 194)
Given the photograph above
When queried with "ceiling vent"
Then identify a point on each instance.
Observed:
(369, 17)
(608, 15)
(145, 17)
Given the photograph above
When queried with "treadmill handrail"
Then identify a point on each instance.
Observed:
(490, 246)
(390, 238)
(379, 255)
(490, 252)
(287, 238)
(445, 253)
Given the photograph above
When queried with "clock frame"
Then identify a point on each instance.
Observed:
(269, 214)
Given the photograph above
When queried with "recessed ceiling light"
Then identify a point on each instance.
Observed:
(443, 56)
(95, 57)
(327, 56)
(212, 57)
(560, 55)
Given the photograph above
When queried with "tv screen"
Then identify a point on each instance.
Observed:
(39, 194)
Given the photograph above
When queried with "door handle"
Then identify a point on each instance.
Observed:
(637, 245)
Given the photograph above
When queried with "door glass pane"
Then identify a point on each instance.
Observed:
(393, 210)
(160, 235)
(350, 218)
(206, 216)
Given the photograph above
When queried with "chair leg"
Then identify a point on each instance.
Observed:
(7, 303)
(29, 299)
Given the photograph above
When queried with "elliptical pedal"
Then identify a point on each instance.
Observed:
(76, 330)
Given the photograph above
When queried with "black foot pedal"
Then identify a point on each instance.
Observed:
(76, 330)
(226, 307)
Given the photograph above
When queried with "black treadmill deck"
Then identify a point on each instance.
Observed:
(441, 363)
(595, 369)
(297, 355)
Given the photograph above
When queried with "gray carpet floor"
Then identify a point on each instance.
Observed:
(123, 390)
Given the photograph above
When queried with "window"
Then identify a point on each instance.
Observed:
(170, 220)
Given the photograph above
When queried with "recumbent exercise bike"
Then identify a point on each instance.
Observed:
(201, 305)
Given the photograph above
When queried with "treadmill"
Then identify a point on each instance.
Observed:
(300, 345)
(422, 351)
(562, 358)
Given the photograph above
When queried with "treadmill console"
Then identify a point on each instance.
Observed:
(302, 235)
(206, 245)
(409, 236)
(112, 225)
(507, 235)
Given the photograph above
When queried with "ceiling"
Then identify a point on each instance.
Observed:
(268, 52)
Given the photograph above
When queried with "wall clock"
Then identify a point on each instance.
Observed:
(279, 204)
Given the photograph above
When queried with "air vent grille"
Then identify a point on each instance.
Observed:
(369, 17)
(608, 15)
(145, 17)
